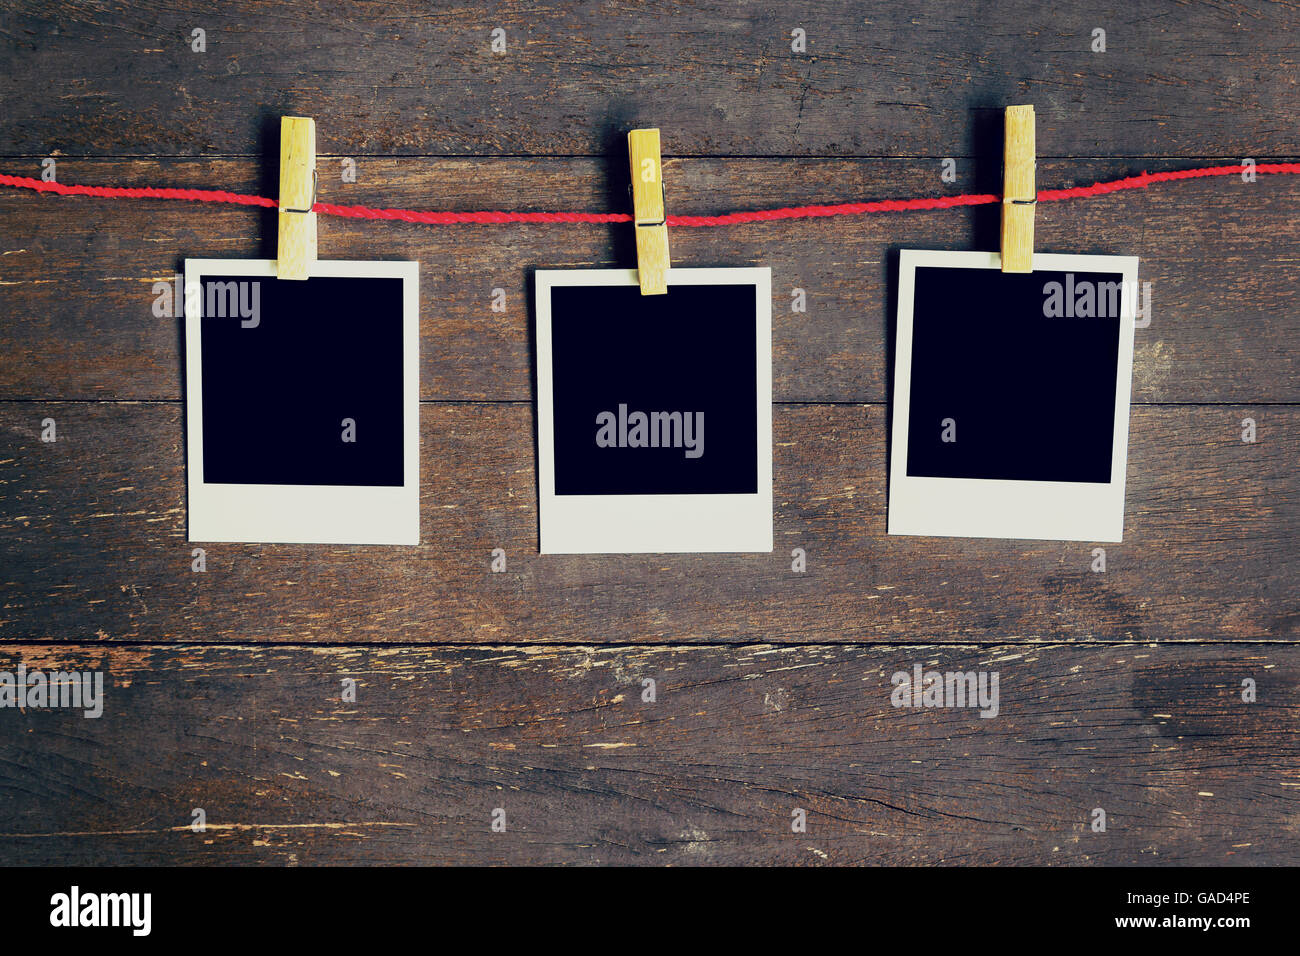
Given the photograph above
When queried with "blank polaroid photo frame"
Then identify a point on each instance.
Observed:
(654, 412)
(302, 402)
(1011, 396)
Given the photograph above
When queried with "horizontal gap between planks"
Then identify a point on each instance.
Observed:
(10, 642)
(195, 157)
(530, 402)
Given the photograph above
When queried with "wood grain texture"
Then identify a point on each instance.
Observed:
(588, 772)
(879, 79)
(93, 536)
(77, 276)
(522, 689)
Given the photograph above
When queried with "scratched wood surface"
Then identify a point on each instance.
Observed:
(587, 771)
(878, 79)
(96, 523)
(1223, 312)
(523, 690)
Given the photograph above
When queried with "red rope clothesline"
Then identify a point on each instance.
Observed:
(733, 218)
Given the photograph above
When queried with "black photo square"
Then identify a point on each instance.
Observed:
(1002, 386)
(654, 395)
(291, 370)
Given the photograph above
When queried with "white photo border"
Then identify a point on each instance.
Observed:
(654, 524)
(996, 508)
(305, 514)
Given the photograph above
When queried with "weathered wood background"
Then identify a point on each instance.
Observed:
(522, 690)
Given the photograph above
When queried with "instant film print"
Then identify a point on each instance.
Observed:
(302, 404)
(1011, 396)
(654, 411)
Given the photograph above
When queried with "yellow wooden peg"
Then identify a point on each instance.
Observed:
(1019, 193)
(648, 211)
(296, 249)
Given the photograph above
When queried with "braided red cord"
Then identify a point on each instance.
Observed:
(732, 218)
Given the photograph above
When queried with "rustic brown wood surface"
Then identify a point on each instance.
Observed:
(96, 522)
(586, 771)
(522, 690)
(878, 79)
(1223, 326)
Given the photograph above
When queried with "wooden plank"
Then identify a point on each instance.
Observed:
(587, 771)
(93, 529)
(78, 275)
(881, 79)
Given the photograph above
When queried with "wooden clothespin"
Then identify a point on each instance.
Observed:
(296, 250)
(1019, 194)
(648, 211)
